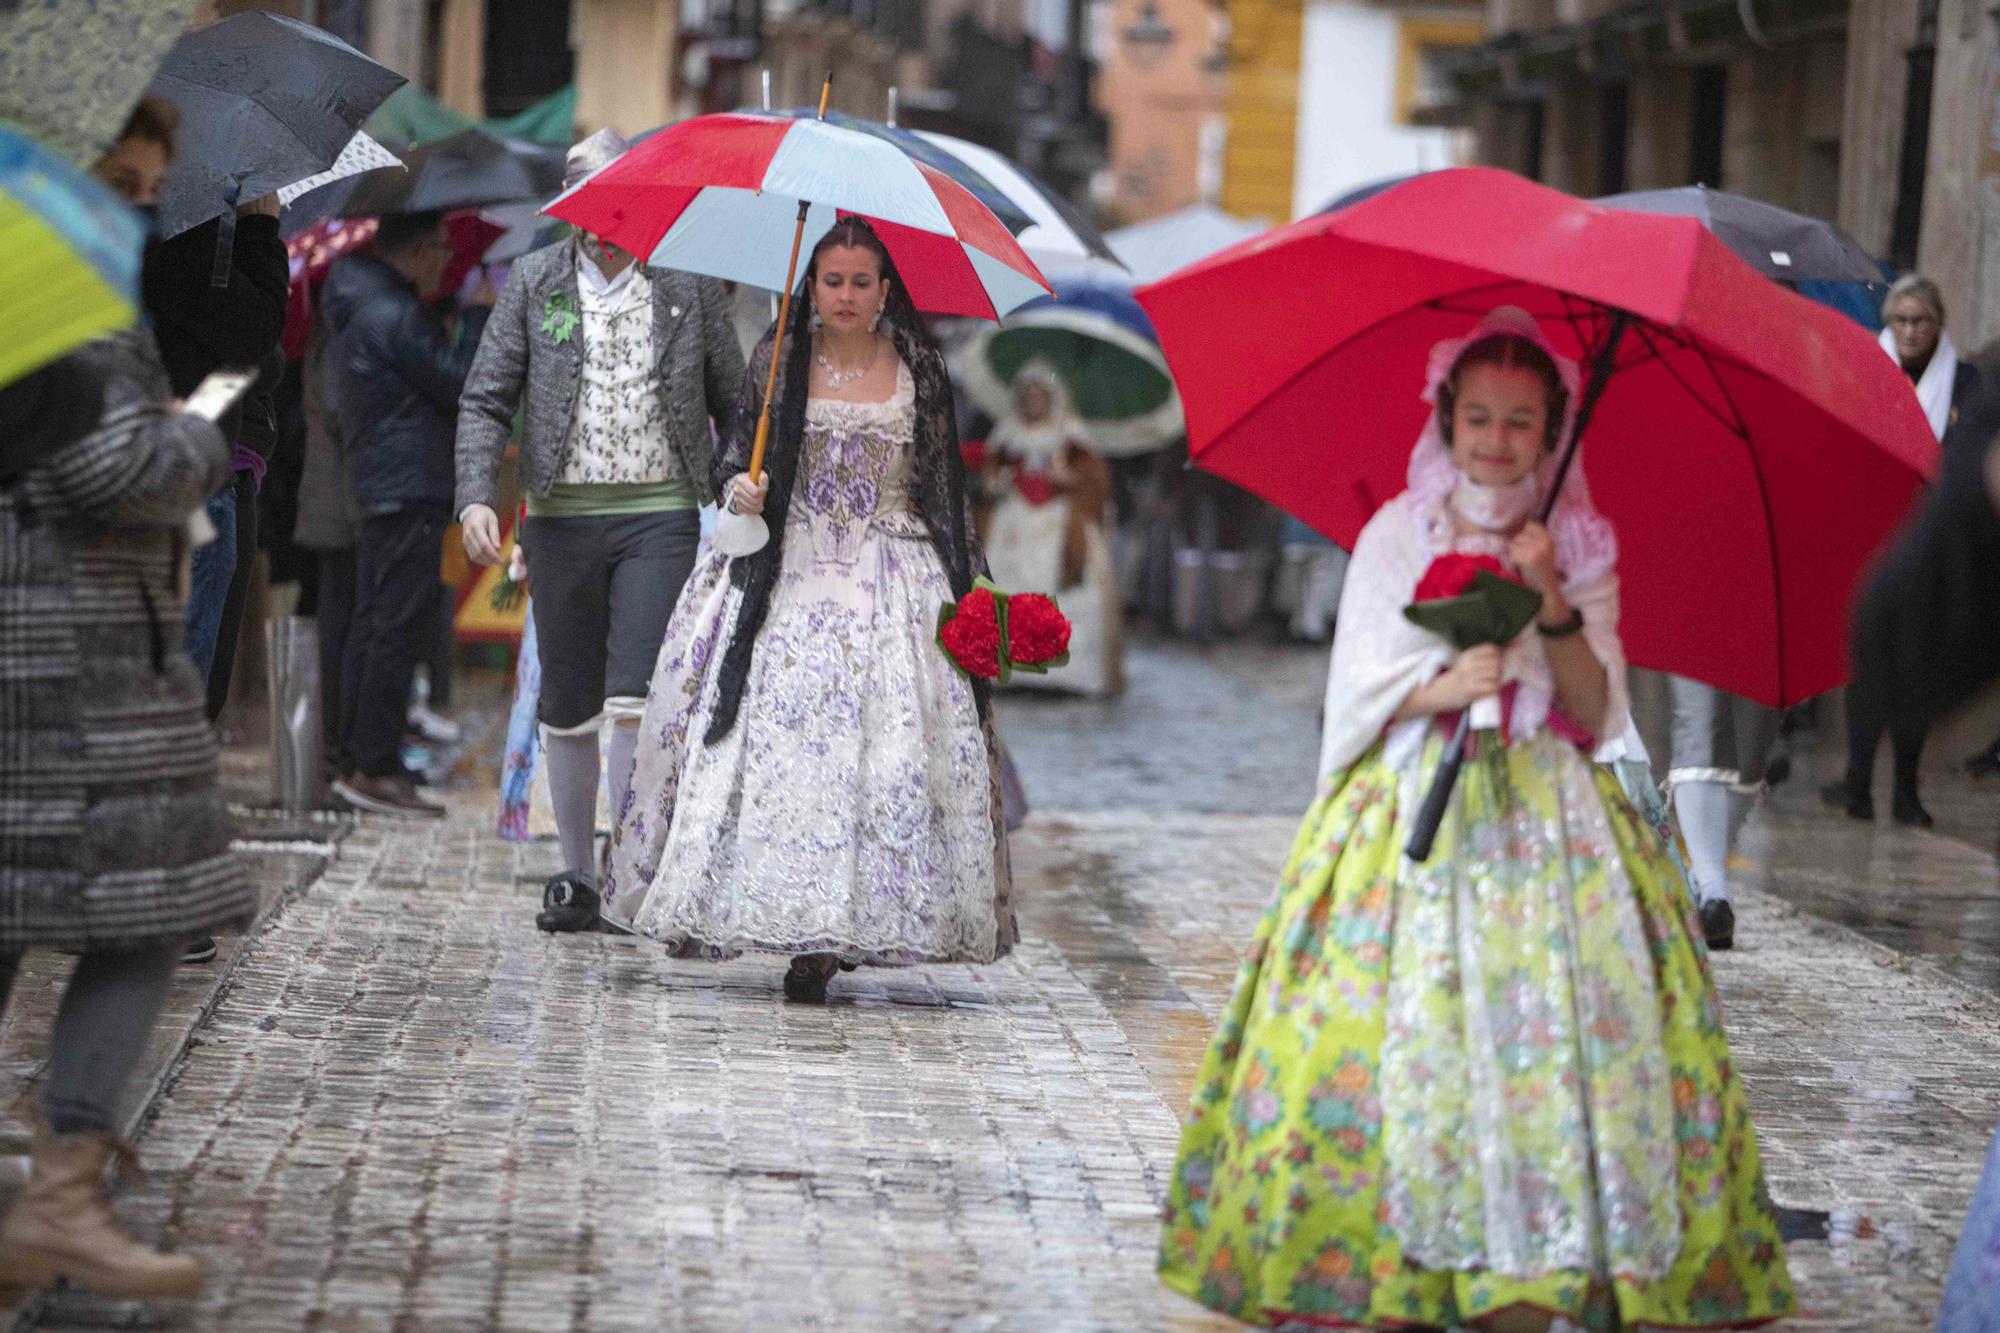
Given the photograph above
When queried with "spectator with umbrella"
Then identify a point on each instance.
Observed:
(1049, 527)
(624, 371)
(397, 374)
(116, 836)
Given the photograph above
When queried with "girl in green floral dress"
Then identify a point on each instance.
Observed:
(1490, 1090)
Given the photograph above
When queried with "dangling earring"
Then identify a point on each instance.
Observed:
(815, 323)
(876, 322)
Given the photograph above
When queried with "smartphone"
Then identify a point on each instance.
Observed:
(218, 393)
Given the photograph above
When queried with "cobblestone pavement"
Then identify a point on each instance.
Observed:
(409, 1110)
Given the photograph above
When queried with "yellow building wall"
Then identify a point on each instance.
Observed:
(1263, 107)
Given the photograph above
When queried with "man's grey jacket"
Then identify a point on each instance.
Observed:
(521, 363)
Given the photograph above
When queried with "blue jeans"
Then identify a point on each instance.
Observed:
(214, 566)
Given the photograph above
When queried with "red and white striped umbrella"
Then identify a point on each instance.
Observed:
(720, 195)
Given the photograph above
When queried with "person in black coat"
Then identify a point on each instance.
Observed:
(396, 375)
(201, 328)
(1925, 639)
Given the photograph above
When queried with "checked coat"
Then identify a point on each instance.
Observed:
(113, 833)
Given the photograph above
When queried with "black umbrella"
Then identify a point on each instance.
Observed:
(470, 169)
(264, 101)
(1789, 247)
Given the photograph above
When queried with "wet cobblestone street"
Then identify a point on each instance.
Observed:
(407, 1109)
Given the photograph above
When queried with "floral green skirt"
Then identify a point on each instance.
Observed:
(1497, 1079)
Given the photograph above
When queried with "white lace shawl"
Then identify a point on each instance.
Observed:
(1379, 657)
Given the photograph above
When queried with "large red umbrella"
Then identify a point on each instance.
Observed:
(1752, 448)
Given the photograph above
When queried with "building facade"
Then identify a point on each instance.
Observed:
(1881, 114)
(1161, 86)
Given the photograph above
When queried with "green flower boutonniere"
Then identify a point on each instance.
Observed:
(559, 317)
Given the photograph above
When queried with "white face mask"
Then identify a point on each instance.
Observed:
(1494, 508)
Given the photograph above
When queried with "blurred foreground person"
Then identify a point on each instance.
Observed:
(114, 839)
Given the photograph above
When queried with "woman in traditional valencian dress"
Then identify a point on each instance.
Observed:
(814, 776)
(1049, 530)
(1490, 1090)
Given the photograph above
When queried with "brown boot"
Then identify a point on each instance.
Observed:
(63, 1227)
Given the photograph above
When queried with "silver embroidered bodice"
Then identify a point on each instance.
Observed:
(855, 467)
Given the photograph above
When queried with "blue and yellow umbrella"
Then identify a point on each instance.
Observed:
(69, 258)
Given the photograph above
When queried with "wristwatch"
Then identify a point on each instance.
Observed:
(1574, 625)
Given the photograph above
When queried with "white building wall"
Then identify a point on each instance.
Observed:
(1348, 135)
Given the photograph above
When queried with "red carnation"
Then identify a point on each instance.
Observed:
(1451, 575)
(1037, 631)
(974, 454)
(972, 635)
(1035, 488)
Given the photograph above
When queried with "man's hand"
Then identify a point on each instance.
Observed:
(264, 206)
(485, 293)
(480, 528)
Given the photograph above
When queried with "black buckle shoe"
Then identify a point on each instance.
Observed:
(1718, 924)
(805, 980)
(568, 904)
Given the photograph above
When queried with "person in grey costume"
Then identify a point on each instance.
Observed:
(624, 372)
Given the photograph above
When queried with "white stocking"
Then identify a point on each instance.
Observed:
(619, 757)
(573, 770)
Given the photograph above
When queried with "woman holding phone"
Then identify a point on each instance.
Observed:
(114, 838)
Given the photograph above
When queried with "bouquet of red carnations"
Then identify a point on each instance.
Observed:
(989, 634)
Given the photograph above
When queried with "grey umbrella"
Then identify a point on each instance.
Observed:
(264, 101)
(470, 169)
(1789, 247)
(71, 70)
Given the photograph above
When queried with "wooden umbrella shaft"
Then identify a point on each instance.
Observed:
(777, 348)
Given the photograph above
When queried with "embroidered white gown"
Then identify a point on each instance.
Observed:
(854, 807)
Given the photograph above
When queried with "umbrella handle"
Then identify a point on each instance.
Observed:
(1430, 815)
(777, 345)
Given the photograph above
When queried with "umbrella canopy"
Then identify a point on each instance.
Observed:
(720, 195)
(470, 169)
(1752, 447)
(69, 258)
(362, 154)
(1790, 247)
(923, 150)
(1158, 246)
(1058, 232)
(265, 101)
(72, 70)
(1099, 339)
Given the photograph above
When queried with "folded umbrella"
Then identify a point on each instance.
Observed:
(265, 101)
(72, 70)
(1099, 339)
(69, 257)
(1789, 247)
(1752, 448)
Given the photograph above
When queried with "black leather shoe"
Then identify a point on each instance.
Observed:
(568, 904)
(806, 980)
(1985, 764)
(1718, 924)
(1858, 805)
(1909, 811)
